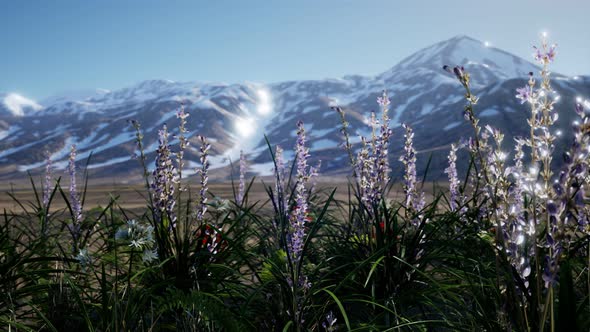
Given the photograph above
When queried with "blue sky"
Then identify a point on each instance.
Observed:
(54, 46)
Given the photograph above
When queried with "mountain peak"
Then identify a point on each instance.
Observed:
(487, 64)
(462, 38)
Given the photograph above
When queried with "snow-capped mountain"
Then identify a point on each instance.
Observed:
(15, 105)
(237, 116)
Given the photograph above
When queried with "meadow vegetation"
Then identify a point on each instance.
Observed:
(504, 247)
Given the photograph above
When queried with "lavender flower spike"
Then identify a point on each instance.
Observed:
(299, 217)
(451, 171)
(243, 169)
(165, 179)
(47, 184)
(74, 196)
(383, 100)
(413, 200)
(183, 143)
(202, 208)
(524, 94)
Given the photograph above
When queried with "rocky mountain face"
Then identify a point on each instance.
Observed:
(237, 116)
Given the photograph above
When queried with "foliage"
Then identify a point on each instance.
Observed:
(505, 248)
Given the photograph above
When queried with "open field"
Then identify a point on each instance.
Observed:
(133, 197)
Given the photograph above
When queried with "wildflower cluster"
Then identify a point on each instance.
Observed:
(536, 214)
(372, 170)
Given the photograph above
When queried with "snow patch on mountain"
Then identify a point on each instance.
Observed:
(18, 105)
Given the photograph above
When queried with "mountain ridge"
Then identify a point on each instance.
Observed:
(235, 116)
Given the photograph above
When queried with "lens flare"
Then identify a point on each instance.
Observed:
(264, 102)
(245, 127)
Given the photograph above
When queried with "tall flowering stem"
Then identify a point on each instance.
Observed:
(74, 195)
(203, 173)
(371, 167)
(546, 205)
(140, 148)
(519, 232)
(297, 223)
(382, 145)
(47, 184)
(165, 181)
(479, 145)
(75, 203)
(451, 172)
(300, 212)
(183, 142)
(347, 145)
(365, 171)
(242, 185)
(413, 200)
(545, 117)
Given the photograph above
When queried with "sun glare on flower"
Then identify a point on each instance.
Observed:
(245, 127)
(264, 102)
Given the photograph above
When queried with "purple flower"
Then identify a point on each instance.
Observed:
(313, 175)
(202, 208)
(538, 55)
(183, 142)
(365, 170)
(328, 324)
(74, 196)
(451, 171)
(383, 100)
(243, 168)
(372, 162)
(524, 94)
(47, 184)
(300, 213)
(550, 54)
(165, 180)
(413, 199)
(545, 55)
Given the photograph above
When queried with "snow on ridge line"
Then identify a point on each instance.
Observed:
(16, 104)
(110, 162)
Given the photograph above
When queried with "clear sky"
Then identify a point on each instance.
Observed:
(48, 47)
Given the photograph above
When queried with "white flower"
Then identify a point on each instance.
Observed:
(149, 256)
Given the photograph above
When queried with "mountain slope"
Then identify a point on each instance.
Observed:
(236, 116)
